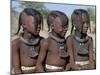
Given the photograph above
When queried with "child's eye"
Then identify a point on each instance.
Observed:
(64, 26)
(83, 22)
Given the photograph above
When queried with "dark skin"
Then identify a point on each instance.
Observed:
(20, 54)
(72, 48)
(49, 50)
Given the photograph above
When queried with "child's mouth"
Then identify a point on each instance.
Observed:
(38, 31)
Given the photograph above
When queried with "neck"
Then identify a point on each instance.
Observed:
(57, 35)
(28, 36)
(80, 34)
(29, 39)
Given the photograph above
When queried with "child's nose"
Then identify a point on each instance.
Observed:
(66, 29)
(39, 27)
(86, 25)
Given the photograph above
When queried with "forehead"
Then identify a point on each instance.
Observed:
(58, 20)
(85, 17)
(26, 18)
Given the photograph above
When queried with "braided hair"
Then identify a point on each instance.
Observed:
(77, 14)
(31, 12)
(53, 14)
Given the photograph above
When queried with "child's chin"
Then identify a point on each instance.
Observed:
(35, 34)
(62, 35)
(84, 32)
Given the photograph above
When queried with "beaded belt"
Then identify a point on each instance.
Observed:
(82, 62)
(53, 67)
(24, 68)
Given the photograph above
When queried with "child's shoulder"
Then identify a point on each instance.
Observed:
(90, 38)
(69, 37)
(15, 39)
(44, 42)
(41, 38)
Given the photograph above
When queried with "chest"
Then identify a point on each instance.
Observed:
(80, 45)
(27, 50)
(80, 50)
(58, 48)
(53, 46)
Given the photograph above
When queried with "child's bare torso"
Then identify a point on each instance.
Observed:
(76, 46)
(23, 51)
(25, 58)
(76, 55)
(53, 57)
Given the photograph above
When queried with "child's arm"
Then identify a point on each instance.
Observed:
(91, 61)
(68, 67)
(42, 55)
(70, 51)
(15, 57)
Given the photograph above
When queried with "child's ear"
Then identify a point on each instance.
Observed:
(52, 26)
(24, 26)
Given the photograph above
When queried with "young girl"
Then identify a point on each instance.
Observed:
(25, 48)
(53, 53)
(80, 45)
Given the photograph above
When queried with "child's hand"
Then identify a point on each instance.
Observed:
(39, 69)
(92, 66)
(18, 71)
(84, 67)
(68, 67)
(76, 67)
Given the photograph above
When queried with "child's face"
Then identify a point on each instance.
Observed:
(58, 27)
(85, 23)
(29, 23)
(82, 24)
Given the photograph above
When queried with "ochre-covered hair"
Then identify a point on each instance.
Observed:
(31, 12)
(53, 14)
(77, 13)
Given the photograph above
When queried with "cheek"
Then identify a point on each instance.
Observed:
(58, 29)
(31, 27)
(65, 29)
(61, 29)
(78, 27)
(78, 24)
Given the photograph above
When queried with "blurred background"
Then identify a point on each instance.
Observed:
(45, 8)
